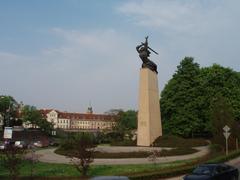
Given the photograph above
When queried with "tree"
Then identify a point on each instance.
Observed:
(113, 111)
(83, 152)
(218, 81)
(186, 99)
(179, 107)
(30, 115)
(8, 110)
(127, 119)
(12, 159)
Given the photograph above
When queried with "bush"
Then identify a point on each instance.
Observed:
(12, 159)
(177, 151)
(108, 137)
(82, 152)
(216, 148)
(175, 141)
(224, 158)
(136, 154)
(124, 143)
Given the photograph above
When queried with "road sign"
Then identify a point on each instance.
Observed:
(226, 128)
(226, 134)
(7, 133)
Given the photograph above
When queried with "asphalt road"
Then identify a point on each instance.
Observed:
(235, 163)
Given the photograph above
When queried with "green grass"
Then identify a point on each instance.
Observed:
(59, 170)
(144, 171)
(44, 169)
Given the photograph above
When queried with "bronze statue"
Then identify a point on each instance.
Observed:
(144, 53)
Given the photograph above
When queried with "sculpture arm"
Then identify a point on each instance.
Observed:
(138, 47)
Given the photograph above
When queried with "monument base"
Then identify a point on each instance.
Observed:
(149, 118)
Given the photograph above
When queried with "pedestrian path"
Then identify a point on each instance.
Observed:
(48, 156)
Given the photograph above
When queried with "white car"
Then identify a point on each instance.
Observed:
(2, 146)
(20, 144)
(38, 144)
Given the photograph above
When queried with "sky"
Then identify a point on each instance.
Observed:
(69, 54)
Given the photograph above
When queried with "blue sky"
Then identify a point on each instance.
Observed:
(64, 54)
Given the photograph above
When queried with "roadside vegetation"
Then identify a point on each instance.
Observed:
(143, 171)
(137, 154)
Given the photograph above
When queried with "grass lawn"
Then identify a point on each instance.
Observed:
(59, 170)
(148, 170)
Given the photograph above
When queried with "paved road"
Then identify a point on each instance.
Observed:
(235, 163)
(48, 155)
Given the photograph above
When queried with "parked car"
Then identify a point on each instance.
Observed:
(20, 144)
(213, 171)
(38, 144)
(2, 146)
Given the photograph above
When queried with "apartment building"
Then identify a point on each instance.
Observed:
(79, 121)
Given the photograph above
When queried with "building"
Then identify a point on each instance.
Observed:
(79, 121)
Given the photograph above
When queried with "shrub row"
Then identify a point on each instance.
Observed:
(136, 154)
(166, 141)
(174, 141)
(224, 158)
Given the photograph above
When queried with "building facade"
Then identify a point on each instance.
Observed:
(79, 121)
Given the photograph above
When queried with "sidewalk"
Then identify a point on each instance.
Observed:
(48, 155)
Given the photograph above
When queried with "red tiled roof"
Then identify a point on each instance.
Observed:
(80, 116)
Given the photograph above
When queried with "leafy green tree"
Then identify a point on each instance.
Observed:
(113, 111)
(82, 152)
(30, 115)
(12, 159)
(178, 106)
(127, 119)
(186, 99)
(8, 110)
(218, 81)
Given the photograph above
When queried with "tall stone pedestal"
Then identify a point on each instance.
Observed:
(149, 118)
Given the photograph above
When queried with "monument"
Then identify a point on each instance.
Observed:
(149, 117)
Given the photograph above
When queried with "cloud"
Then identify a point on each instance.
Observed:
(96, 66)
(207, 30)
(175, 15)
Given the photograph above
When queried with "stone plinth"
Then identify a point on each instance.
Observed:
(149, 118)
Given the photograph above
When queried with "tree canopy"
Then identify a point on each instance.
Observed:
(187, 97)
(127, 120)
(8, 110)
(30, 115)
